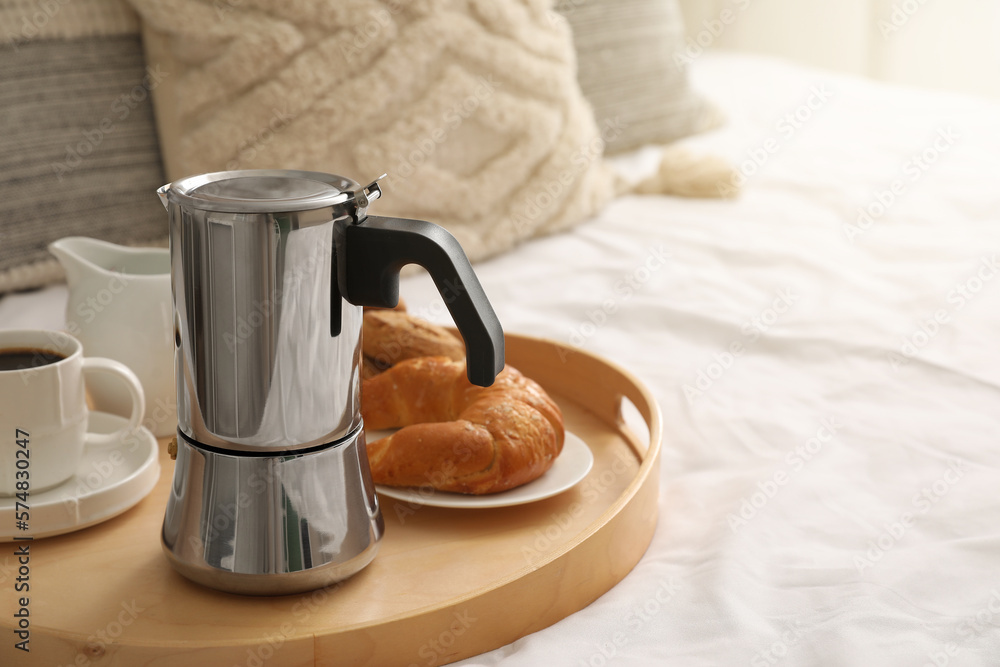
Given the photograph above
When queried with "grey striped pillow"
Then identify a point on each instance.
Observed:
(627, 69)
(79, 153)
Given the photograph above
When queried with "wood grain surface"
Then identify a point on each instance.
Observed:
(446, 583)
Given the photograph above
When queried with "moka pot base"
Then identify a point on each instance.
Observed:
(271, 524)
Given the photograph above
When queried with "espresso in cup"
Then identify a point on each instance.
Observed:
(18, 359)
(43, 404)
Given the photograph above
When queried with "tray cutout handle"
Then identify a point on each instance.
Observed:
(633, 425)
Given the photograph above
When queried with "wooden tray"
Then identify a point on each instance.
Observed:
(446, 584)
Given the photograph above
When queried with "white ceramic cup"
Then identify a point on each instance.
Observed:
(43, 411)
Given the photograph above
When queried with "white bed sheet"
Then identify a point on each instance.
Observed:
(837, 559)
(796, 581)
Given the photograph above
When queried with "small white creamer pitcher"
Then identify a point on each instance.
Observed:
(120, 307)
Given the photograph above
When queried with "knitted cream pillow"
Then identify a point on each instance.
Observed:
(472, 107)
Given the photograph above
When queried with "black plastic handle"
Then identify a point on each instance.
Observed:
(370, 255)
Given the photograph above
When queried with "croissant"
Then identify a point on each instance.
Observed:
(456, 436)
(391, 336)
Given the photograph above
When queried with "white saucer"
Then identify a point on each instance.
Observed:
(572, 465)
(109, 480)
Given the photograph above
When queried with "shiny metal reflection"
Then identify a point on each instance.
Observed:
(256, 365)
(302, 520)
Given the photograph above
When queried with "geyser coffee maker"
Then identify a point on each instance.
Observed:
(272, 493)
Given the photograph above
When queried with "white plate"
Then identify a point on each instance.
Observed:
(109, 480)
(572, 465)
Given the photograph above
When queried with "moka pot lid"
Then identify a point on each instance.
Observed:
(265, 191)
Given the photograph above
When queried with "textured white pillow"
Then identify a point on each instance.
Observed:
(472, 107)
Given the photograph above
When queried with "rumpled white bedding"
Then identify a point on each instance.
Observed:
(830, 382)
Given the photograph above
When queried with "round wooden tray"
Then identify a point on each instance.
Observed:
(446, 583)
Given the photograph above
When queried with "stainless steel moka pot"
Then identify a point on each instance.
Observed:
(272, 493)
